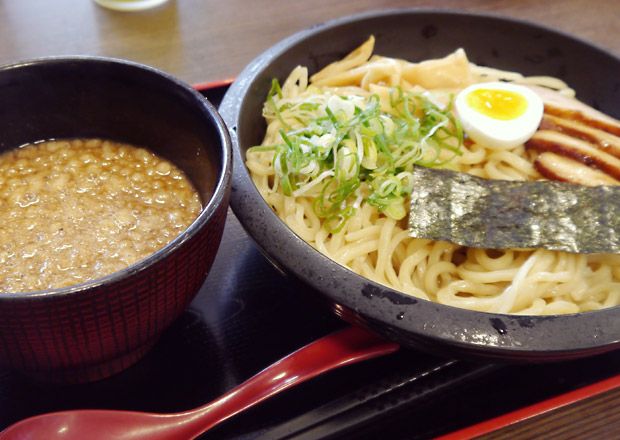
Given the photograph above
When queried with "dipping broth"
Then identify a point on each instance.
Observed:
(75, 210)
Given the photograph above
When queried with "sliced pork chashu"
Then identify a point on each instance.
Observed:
(576, 142)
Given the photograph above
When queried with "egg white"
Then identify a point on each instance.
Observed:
(495, 133)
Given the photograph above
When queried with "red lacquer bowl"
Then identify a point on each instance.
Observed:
(93, 330)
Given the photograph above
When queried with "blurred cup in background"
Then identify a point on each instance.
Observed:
(129, 5)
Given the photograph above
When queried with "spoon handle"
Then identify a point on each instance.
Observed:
(344, 347)
(347, 346)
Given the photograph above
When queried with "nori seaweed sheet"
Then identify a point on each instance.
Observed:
(499, 214)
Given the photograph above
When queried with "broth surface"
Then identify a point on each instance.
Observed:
(76, 210)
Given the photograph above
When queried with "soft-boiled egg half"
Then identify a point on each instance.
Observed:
(499, 115)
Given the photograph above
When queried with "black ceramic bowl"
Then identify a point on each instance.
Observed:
(92, 330)
(418, 34)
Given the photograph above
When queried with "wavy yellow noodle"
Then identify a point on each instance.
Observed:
(379, 248)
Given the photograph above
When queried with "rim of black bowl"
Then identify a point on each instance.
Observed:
(405, 319)
(219, 192)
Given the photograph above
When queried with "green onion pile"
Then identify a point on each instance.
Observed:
(351, 151)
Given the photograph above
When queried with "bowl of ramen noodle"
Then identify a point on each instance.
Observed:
(446, 179)
(114, 187)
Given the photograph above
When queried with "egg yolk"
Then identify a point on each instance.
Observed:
(504, 105)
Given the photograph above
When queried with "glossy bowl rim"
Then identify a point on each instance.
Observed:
(484, 340)
(218, 196)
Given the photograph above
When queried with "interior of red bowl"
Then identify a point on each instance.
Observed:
(418, 34)
(89, 97)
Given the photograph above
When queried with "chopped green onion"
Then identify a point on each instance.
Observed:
(330, 153)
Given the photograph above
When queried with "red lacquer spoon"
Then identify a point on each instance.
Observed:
(344, 347)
